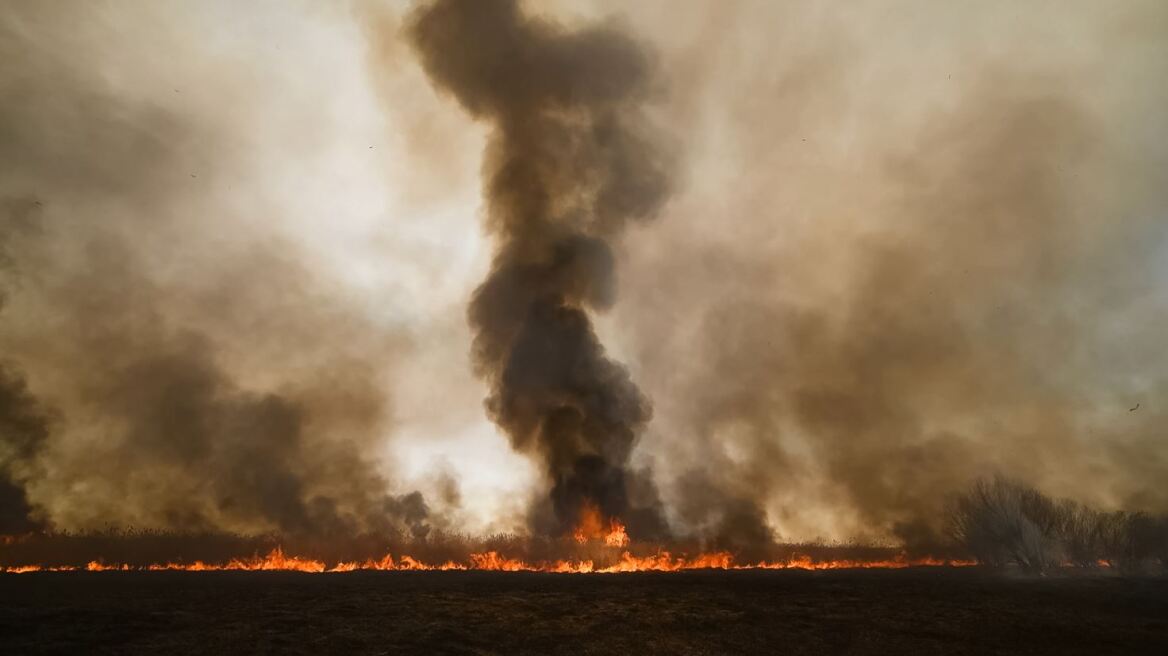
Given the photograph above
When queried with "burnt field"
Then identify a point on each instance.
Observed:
(926, 610)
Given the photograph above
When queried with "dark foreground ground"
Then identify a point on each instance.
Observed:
(905, 612)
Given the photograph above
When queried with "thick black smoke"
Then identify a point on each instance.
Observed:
(569, 164)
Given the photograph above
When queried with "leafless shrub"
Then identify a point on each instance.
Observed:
(1004, 522)
(1149, 538)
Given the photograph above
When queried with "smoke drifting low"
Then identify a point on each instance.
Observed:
(569, 163)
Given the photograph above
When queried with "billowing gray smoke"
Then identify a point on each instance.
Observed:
(890, 274)
(161, 367)
(916, 244)
(24, 424)
(569, 164)
(23, 429)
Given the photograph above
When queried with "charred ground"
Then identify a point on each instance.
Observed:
(702, 612)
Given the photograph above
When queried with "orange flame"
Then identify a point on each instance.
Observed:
(591, 527)
(662, 561)
(616, 535)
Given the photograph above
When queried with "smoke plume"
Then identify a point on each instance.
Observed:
(570, 162)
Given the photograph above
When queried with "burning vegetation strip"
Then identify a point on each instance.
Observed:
(606, 551)
(997, 523)
(657, 561)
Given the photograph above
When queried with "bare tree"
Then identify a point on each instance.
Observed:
(1004, 522)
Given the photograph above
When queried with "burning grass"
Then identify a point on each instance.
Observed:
(604, 551)
(997, 523)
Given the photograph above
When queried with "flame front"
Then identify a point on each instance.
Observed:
(661, 561)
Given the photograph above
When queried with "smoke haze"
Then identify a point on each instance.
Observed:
(938, 251)
(204, 378)
(852, 256)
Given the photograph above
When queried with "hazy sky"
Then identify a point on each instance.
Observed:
(909, 242)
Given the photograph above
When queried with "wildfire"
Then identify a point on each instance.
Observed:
(592, 527)
(616, 536)
(661, 561)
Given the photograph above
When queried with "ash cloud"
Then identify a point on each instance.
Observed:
(570, 162)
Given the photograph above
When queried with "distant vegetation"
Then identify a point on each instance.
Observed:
(1003, 522)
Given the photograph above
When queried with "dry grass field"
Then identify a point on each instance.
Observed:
(914, 611)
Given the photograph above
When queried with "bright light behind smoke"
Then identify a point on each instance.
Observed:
(807, 139)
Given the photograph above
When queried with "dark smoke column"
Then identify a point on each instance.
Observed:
(568, 165)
